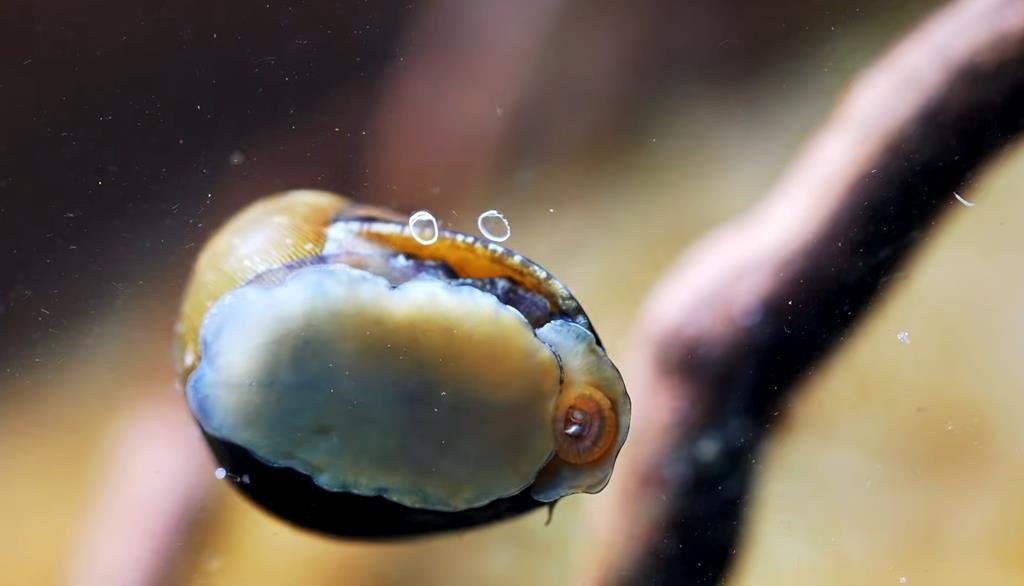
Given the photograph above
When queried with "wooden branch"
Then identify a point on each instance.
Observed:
(735, 324)
(159, 475)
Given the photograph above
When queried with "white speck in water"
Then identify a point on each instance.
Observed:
(494, 226)
(220, 473)
(903, 579)
(962, 200)
(424, 227)
(237, 158)
(499, 112)
(903, 336)
(551, 210)
(244, 479)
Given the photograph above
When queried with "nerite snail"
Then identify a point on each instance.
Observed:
(364, 384)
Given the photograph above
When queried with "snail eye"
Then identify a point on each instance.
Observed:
(585, 425)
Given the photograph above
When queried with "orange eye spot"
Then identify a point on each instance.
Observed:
(585, 425)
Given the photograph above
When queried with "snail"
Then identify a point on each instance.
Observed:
(354, 381)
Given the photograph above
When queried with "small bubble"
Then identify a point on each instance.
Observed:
(424, 227)
(903, 336)
(237, 158)
(220, 473)
(494, 226)
(903, 579)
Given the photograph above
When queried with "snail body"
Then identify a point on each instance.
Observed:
(363, 384)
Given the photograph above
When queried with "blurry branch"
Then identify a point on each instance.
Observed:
(159, 477)
(735, 324)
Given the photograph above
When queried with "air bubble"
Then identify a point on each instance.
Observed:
(903, 336)
(220, 473)
(423, 226)
(494, 226)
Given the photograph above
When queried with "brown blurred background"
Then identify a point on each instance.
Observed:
(610, 133)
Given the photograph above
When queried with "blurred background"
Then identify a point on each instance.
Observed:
(611, 134)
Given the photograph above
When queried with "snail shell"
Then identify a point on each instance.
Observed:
(361, 383)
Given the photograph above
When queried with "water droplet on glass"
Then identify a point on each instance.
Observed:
(424, 227)
(494, 226)
(220, 473)
(903, 336)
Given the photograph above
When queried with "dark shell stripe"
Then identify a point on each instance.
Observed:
(512, 265)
